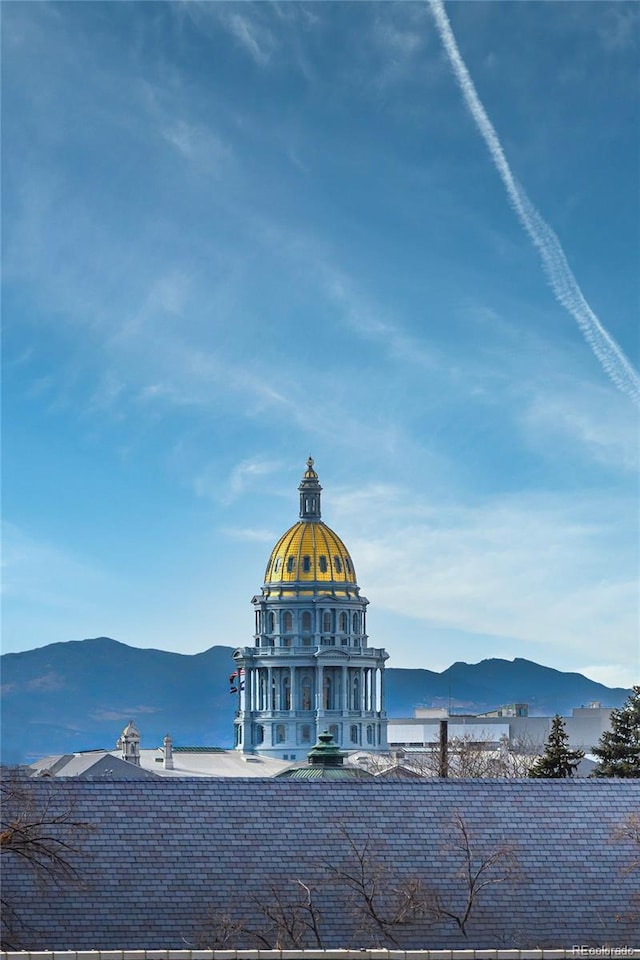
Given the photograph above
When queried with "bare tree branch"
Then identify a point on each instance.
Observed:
(479, 869)
(43, 831)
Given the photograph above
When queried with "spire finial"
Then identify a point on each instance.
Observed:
(309, 493)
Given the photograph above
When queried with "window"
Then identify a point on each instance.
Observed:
(306, 564)
(271, 622)
(334, 730)
(337, 564)
(286, 694)
(355, 692)
(305, 733)
(306, 693)
(285, 642)
(369, 733)
(356, 623)
(326, 622)
(277, 564)
(343, 623)
(287, 622)
(280, 733)
(322, 562)
(290, 564)
(306, 621)
(328, 693)
(259, 734)
(354, 733)
(347, 564)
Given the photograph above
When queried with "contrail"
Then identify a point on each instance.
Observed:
(561, 279)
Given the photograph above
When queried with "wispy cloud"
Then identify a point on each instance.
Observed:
(242, 477)
(529, 568)
(251, 534)
(588, 419)
(557, 270)
(45, 575)
(253, 36)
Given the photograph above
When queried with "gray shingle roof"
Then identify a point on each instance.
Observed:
(164, 855)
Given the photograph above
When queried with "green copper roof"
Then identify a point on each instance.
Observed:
(324, 773)
(325, 752)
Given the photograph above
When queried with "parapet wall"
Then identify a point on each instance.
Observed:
(577, 952)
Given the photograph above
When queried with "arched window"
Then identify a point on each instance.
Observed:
(354, 733)
(286, 692)
(322, 563)
(306, 693)
(369, 733)
(337, 564)
(356, 623)
(305, 733)
(280, 733)
(262, 690)
(326, 622)
(287, 622)
(306, 564)
(343, 623)
(259, 734)
(334, 730)
(306, 621)
(271, 622)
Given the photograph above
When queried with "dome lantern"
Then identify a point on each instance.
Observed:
(310, 493)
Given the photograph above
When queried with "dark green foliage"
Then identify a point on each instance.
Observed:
(619, 748)
(557, 761)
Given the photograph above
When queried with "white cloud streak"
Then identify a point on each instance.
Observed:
(559, 274)
(531, 569)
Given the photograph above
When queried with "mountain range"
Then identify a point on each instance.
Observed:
(73, 696)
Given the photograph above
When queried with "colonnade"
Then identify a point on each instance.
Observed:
(301, 689)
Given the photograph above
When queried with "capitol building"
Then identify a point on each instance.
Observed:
(310, 668)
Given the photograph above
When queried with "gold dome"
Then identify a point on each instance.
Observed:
(310, 551)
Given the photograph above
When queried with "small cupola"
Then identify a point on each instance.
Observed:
(129, 743)
(310, 493)
(326, 753)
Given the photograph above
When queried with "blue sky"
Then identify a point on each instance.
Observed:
(235, 235)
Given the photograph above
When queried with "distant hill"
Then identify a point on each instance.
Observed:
(79, 695)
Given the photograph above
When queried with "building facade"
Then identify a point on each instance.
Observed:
(310, 668)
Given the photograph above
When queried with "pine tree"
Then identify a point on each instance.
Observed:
(558, 760)
(619, 748)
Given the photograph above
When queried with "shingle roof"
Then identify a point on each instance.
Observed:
(166, 854)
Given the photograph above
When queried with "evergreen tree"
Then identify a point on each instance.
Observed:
(558, 760)
(619, 748)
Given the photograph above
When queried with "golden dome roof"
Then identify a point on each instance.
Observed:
(310, 551)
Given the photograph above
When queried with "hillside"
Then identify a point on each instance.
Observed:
(79, 695)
